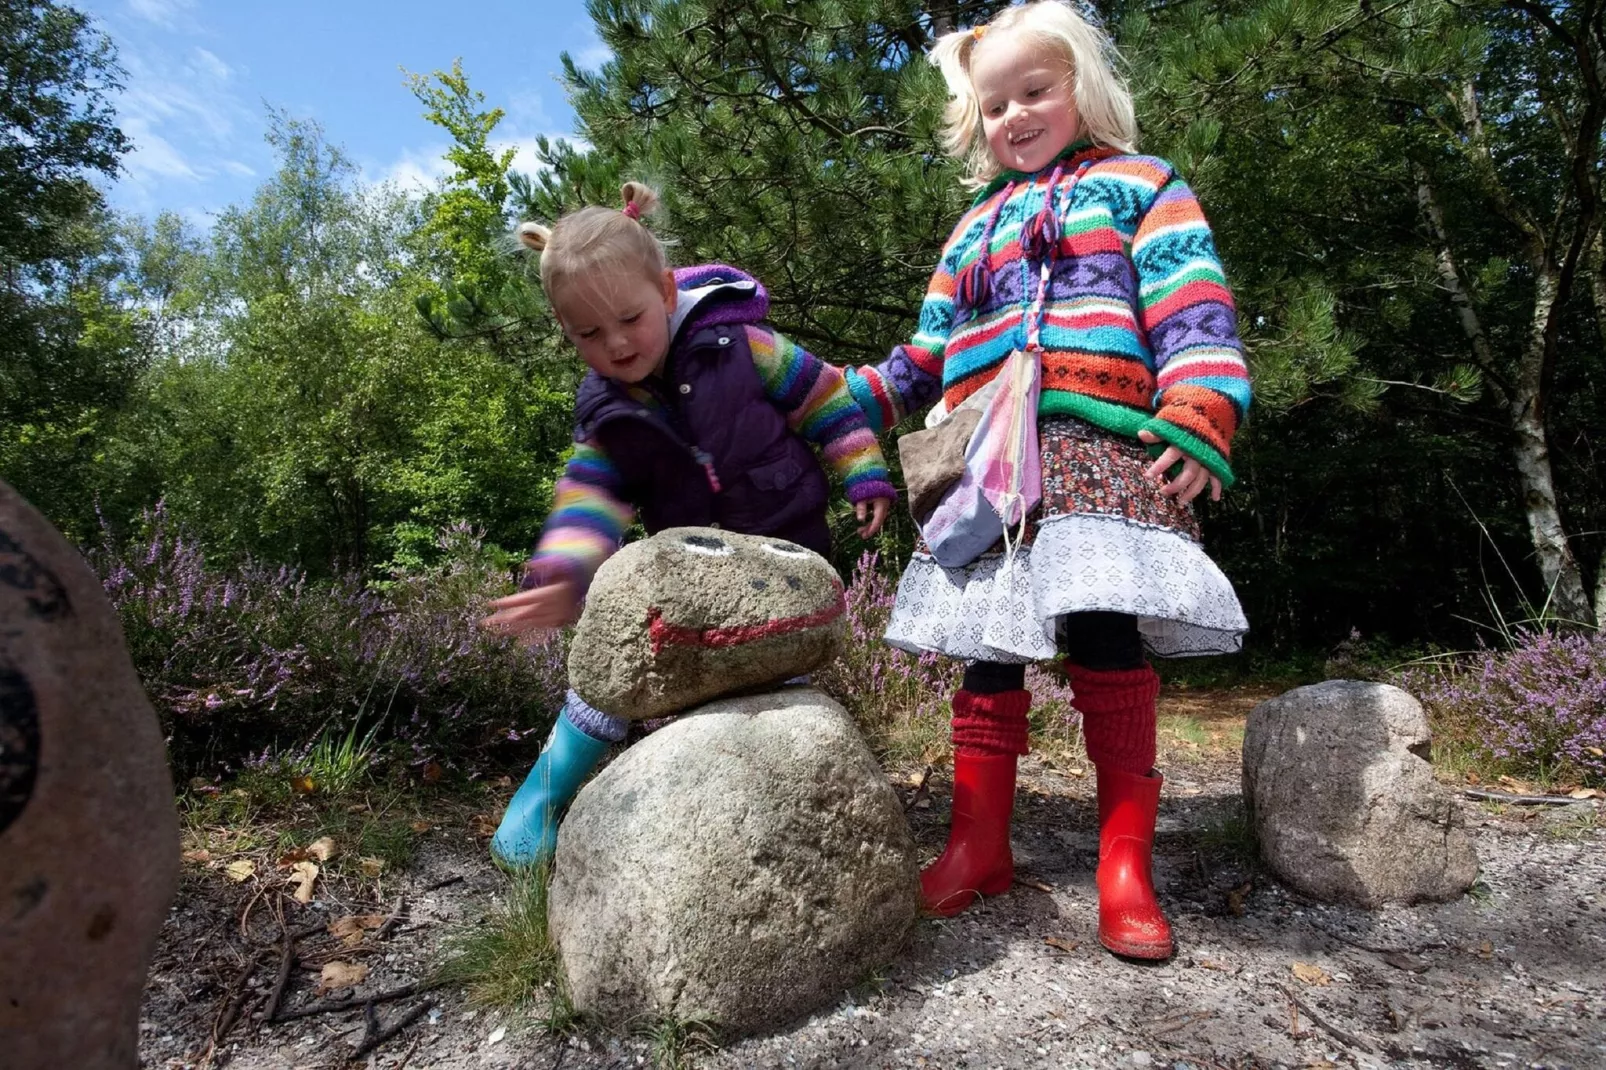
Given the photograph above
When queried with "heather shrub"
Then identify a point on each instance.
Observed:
(900, 700)
(251, 659)
(1536, 709)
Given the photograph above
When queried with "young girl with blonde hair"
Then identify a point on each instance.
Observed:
(693, 413)
(1099, 263)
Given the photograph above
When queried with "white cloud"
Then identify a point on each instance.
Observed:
(416, 170)
(162, 12)
(208, 63)
(421, 169)
(153, 156)
(183, 116)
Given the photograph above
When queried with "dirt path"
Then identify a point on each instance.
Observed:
(1511, 976)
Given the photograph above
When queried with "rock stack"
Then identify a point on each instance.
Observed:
(749, 861)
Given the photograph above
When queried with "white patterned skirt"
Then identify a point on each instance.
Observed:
(1103, 538)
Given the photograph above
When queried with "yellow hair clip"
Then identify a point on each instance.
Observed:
(978, 32)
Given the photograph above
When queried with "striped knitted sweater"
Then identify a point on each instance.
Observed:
(590, 510)
(1139, 331)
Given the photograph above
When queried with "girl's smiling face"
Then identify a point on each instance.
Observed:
(1028, 107)
(620, 323)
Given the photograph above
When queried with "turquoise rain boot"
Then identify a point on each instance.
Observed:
(529, 831)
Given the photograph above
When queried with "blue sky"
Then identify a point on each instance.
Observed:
(202, 73)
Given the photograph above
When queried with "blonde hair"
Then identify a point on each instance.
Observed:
(596, 241)
(1103, 101)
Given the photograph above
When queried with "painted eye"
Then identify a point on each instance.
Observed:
(707, 545)
(781, 549)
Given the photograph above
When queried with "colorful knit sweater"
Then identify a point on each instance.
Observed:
(1139, 331)
(590, 507)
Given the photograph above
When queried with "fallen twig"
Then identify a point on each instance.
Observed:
(330, 1007)
(396, 913)
(1328, 1027)
(287, 961)
(1521, 800)
(408, 1056)
(376, 1037)
(1188, 1019)
(438, 885)
(237, 989)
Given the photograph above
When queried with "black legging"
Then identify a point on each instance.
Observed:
(1095, 640)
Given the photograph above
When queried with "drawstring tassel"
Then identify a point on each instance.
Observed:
(1042, 234)
(974, 284)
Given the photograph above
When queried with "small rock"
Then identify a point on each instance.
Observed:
(744, 865)
(1379, 829)
(692, 614)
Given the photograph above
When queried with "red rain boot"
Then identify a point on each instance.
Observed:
(1130, 920)
(989, 734)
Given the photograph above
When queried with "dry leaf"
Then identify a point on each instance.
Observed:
(1485, 949)
(1063, 945)
(1237, 897)
(241, 869)
(1211, 964)
(337, 975)
(1596, 751)
(504, 781)
(482, 826)
(323, 848)
(303, 875)
(1031, 883)
(432, 772)
(1474, 778)
(303, 785)
(198, 856)
(1076, 770)
(351, 928)
(421, 826)
(371, 867)
(1587, 793)
(1521, 787)
(1311, 974)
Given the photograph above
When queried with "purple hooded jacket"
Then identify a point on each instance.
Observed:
(719, 453)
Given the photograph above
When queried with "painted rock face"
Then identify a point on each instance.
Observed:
(695, 613)
(88, 832)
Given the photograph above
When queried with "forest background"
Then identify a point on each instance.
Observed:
(304, 443)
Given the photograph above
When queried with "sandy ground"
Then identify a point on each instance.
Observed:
(1513, 975)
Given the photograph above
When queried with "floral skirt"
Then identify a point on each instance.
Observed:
(1102, 538)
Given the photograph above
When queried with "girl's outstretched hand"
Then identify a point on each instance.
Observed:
(528, 614)
(1193, 478)
(878, 508)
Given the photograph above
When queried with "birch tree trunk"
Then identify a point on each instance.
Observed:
(1524, 398)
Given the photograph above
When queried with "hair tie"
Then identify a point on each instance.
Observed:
(633, 210)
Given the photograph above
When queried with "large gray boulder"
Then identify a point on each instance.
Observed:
(89, 847)
(1341, 795)
(695, 613)
(742, 865)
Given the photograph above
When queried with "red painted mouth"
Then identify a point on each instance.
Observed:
(663, 634)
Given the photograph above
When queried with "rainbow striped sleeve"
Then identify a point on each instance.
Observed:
(1187, 312)
(814, 396)
(589, 516)
(911, 378)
